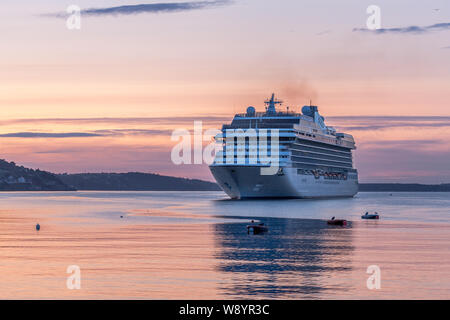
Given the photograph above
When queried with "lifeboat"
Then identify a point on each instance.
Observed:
(337, 222)
(368, 216)
(257, 228)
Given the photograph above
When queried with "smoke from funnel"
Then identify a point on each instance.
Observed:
(299, 93)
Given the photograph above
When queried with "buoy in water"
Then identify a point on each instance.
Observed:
(38, 227)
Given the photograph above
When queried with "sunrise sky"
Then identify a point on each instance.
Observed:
(107, 97)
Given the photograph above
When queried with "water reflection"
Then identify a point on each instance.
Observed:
(297, 258)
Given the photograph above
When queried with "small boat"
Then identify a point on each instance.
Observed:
(337, 222)
(374, 216)
(257, 228)
(38, 227)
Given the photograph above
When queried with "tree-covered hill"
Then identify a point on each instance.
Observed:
(19, 178)
(135, 181)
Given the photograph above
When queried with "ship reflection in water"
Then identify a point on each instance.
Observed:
(294, 259)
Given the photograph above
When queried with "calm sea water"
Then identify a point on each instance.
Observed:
(194, 245)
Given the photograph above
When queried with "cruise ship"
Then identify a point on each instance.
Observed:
(284, 154)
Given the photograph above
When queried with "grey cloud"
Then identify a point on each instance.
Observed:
(48, 135)
(392, 125)
(392, 118)
(63, 150)
(402, 144)
(119, 132)
(397, 142)
(346, 123)
(408, 29)
(143, 120)
(210, 118)
(149, 8)
(96, 133)
(371, 123)
(323, 33)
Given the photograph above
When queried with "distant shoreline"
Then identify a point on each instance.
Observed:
(19, 178)
(138, 190)
(403, 187)
(137, 181)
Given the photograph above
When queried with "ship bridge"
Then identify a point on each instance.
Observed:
(271, 118)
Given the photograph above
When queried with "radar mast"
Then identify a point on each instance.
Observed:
(270, 104)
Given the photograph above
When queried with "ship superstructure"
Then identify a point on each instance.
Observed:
(284, 154)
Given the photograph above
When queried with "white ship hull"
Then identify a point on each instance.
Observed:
(241, 182)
